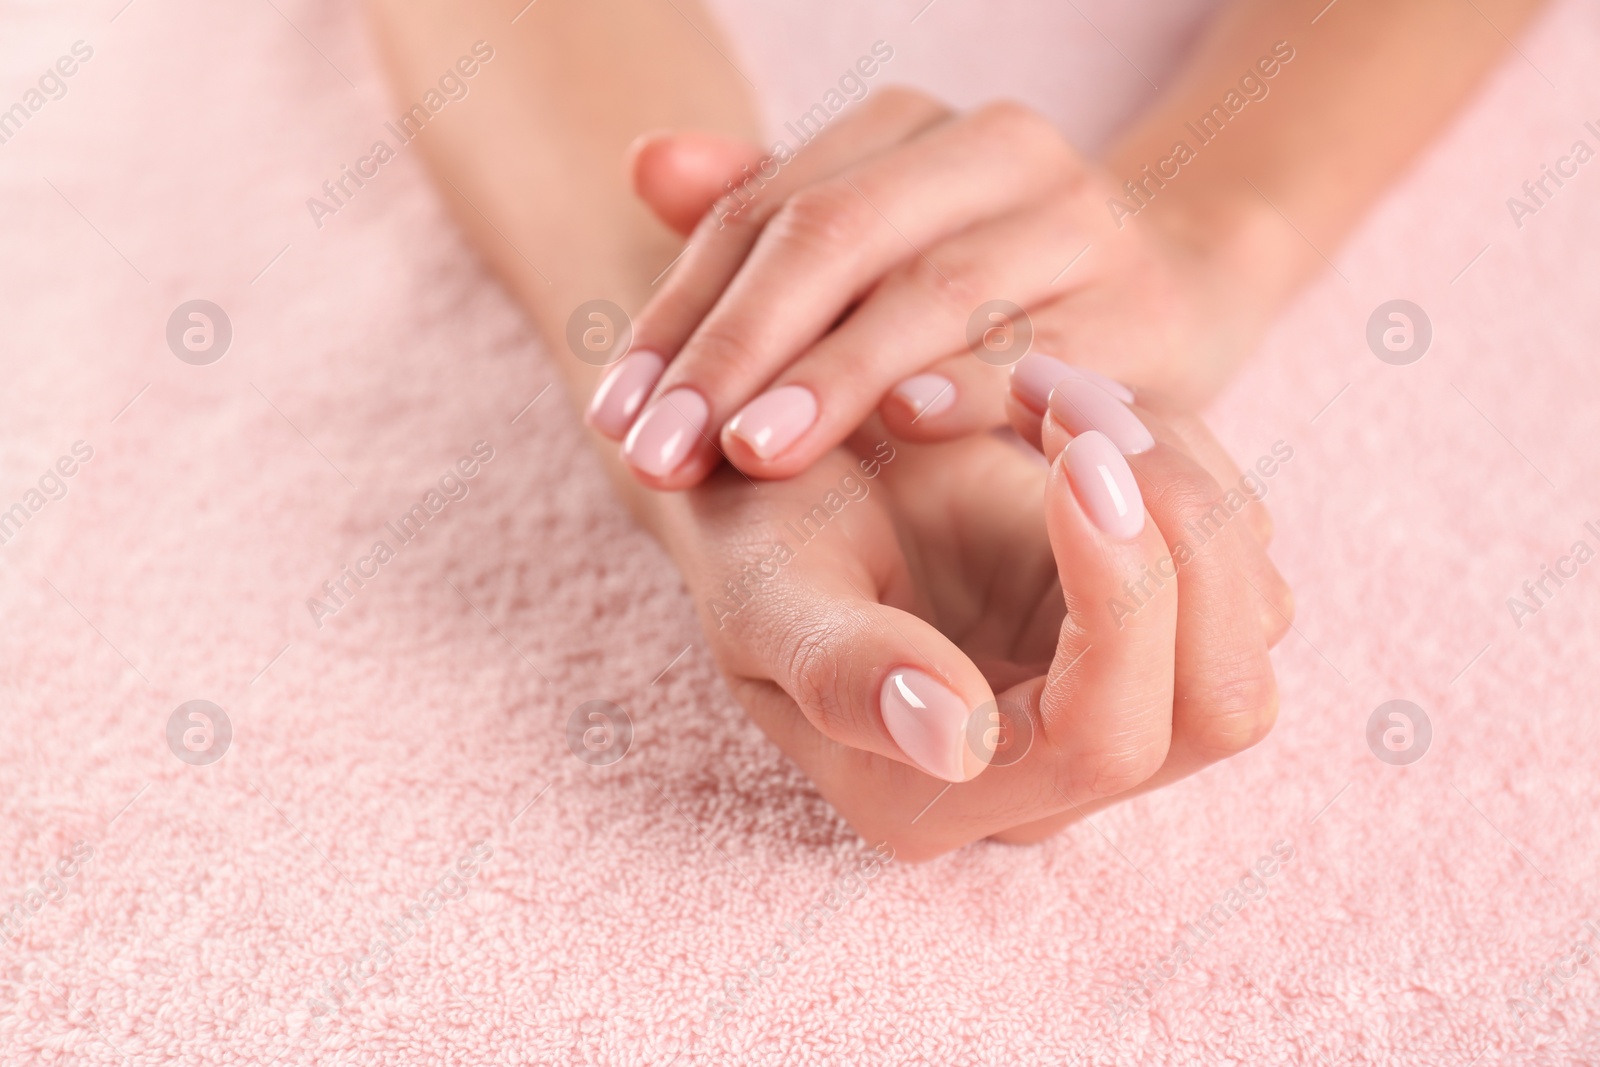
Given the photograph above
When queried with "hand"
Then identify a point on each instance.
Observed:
(940, 565)
(849, 280)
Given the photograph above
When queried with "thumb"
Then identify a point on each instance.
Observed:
(680, 174)
(865, 674)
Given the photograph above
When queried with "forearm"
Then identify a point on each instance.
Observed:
(1277, 186)
(531, 161)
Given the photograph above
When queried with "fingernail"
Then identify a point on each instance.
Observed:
(1103, 483)
(1110, 385)
(623, 392)
(665, 433)
(927, 721)
(926, 394)
(1035, 376)
(773, 421)
(1080, 406)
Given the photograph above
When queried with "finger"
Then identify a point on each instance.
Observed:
(1032, 380)
(866, 674)
(1106, 704)
(680, 174)
(1036, 375)
(1225, 695)
(1205, 447)
(956, 396)
(723, 238)
(1077, 405)
(921, 312)
(1242, 495)
(1097, 723)
(1232, 501)
(823, 250)
(880, 798)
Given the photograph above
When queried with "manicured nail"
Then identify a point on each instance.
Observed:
(773, 421)
(928, 722)
(666, 432)
(623, 392)
(1080, 405)
(1104, 485)
(926, 394)
(1035, 376)
(1110, 385)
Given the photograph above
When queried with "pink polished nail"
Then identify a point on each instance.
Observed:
(926, 394)
(1080, 406)
(929, 723)
(623, 392)
(666, 432)
(1110, 385)
(1036, 375)
(1103, 483)
(773, 421)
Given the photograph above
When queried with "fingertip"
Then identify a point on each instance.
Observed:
(1277, 612)
(932, 725)
(1035, 376)
(689, 474)
(771, 424)
(923, 396)
(666, 448)
(622, 393)
(1053, 438)
(1103, 485)
(680, 174)
(633, 157)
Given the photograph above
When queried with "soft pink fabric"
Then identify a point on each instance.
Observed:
(612, 905)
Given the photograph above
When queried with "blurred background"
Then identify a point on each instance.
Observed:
(216, 397)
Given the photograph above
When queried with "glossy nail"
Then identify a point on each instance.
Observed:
(1110, 385)
(929, 723)
(623, 392)
(773, 421)
(1035, 376)
(926, 394)
(1103, 483)
(665, 434)
(1080, 405)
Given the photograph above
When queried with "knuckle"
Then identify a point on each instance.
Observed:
(1236, 713)
(820, 217)
(1195, 503)
(1110, 772)
(807, 661)
(1262, 522)
(1277, 607)
(733, 220)
(716, 355)
(952, 288)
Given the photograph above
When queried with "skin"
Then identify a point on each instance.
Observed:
(906, 225)
(945, 564)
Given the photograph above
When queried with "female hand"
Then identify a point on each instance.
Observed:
(935, 583)
(861, 276)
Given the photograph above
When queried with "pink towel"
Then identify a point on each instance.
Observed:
(372, 842)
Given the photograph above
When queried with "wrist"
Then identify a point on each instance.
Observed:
(1247, 255)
